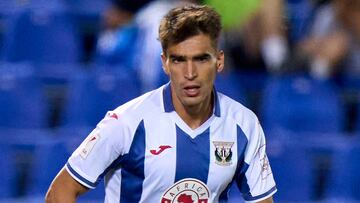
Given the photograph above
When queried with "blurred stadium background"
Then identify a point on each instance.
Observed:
(58, 78)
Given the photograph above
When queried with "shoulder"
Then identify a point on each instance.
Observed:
(125, 119)
(239, 114)
(235, 110)
(131, 113)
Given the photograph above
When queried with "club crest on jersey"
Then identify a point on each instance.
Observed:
(188, 190)
(223, 153)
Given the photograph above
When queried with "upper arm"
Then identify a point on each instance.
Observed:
(267, 200)
(64, 188)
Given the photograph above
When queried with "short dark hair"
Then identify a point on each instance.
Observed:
(183, 22)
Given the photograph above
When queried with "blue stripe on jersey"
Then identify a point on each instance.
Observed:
(132, 172)
(241, 165)
(80, 177)
(192, 155)
(167, 99)
(217, 104)
(224, 196)
(248, 196)
(169, 106)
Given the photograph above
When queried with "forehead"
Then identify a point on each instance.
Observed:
(192, 46)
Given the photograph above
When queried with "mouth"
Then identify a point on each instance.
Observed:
(192, 90)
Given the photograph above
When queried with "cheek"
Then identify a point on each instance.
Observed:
(213, 71)
(175, 76)
(357, 26)
(355, 21)
(174, 72)
(210, 76)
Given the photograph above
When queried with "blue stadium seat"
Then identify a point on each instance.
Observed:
(292, 167)
(88, 17)
(11, 6)
(50, 154)
(92, 94)
(41, 36)
(344, 180)
(87, 7)
(301, 104)
(49, 157)
(8, 7)
(23, 104)
(17, 147)
(8, 172)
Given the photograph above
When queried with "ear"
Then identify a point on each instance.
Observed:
(220, 61)
(164, 65)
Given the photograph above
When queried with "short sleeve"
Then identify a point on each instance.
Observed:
(255, 178)
(103, 147)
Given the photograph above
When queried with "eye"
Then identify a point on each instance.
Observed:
(177, 60)
(203, 59)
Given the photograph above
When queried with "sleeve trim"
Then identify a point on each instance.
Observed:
(267, 194)
(79, 178)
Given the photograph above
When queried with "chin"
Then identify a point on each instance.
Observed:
(191, 101)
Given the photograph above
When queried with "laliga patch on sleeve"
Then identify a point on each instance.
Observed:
(92, 140)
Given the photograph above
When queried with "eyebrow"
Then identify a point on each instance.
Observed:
(178, 57)
(202, 56)
(182, 57)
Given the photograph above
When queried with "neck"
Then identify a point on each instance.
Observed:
(194, 116)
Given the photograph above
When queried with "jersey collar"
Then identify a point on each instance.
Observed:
(169, 106)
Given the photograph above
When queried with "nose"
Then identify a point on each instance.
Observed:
(190, 71)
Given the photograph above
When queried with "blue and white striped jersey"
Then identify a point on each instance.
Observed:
(147, 153)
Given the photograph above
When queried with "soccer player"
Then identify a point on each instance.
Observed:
(183, 142)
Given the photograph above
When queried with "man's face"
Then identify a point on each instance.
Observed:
(192, 66)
